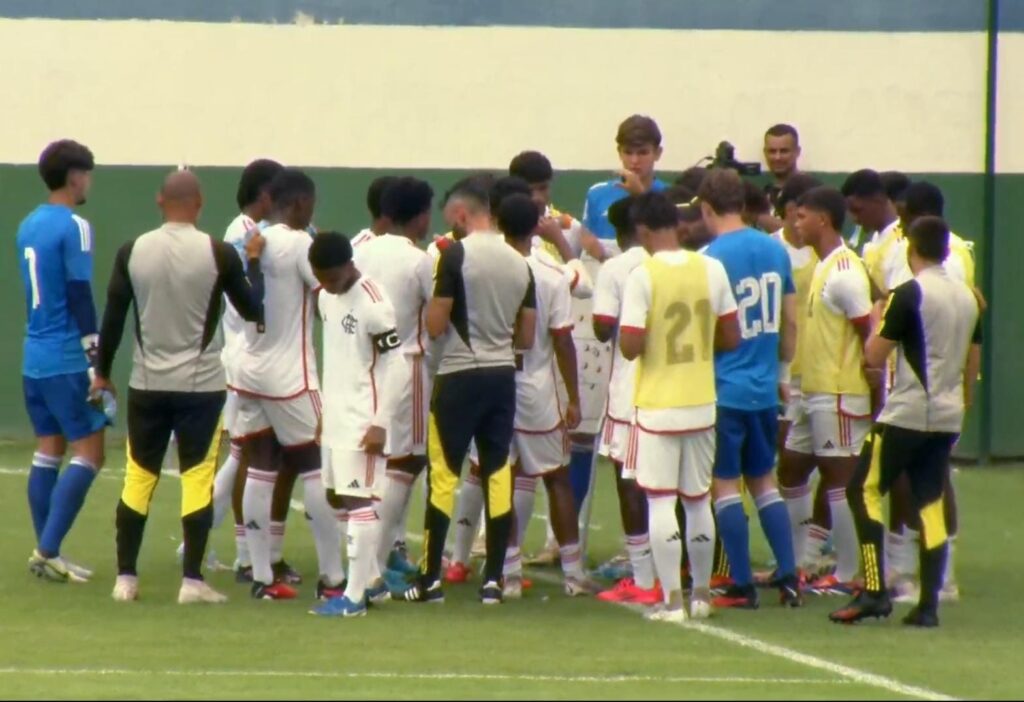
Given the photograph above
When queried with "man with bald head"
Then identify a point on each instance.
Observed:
(175, 277)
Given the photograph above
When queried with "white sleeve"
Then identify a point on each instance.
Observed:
(607, 293)
(380, 327)
(580, 284)
(574, 236)
(302, 261)
(848, 292)
(722, 300)
(561, 307)
(425, 278)
(636, 300)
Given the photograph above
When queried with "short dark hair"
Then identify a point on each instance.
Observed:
(863, 183)
(755, 200)
(654, 211)
(618, 216)
(61, 157)
(405, 199)
(329, 250)
(475, 187)
(638, 130)
(723, 190)
(256, 177)
(517, 216)
(929, 237)
(532, 166)
(692, 177)
(828, 201)
(779, 130)
(680, 194)
(795, 186)
(289, 185)
(504, 187)
(895, 184)
(375, 193)
(924, 198)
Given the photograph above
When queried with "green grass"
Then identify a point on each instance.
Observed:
(545, 646)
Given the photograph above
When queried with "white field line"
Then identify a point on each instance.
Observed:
(852, 675)
(489, 677)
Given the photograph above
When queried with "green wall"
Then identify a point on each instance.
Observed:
(122, 206)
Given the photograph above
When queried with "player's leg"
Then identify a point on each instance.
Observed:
(467, 521)
(902, 540)
(262, 453)
(493, 435)
(243, 560)
(49, 453)
(819, 532)
(280, 506)
(82, 426)
(633, 512)
(224, 480)
(150, 422)
(796, 463)
(698, 460)
(731, 519)
(950, 591)
(523, 498)
(196, 423)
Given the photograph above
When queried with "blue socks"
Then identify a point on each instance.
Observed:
(735, 535)
(41, 479)
(66, 500)
(775, 523)
(581, 464)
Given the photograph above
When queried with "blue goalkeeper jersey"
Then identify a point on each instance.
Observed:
(760, 273)
(54, 247)
(600, 197)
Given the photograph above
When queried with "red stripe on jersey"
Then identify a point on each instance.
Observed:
(729, 315)
(562, 331)
(370, 291)
(633, 330)
(606, 319)
(373, 379)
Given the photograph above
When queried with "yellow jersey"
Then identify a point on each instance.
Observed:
(803, 260)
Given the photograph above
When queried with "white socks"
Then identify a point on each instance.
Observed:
(276, 541)
(572, 561)
(639, 550)
(323, 524)
(523, 499)
(224, 485)
(800, 504)
(364, 531)
(242, 546)
(666, 542)
(392, 510)
(817, 537)
(259, 491)
(700, 541)
(844, 532)
(467, 518)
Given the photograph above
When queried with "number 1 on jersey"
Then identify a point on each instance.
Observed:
(30, 256)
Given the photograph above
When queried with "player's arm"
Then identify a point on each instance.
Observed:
(447, 284)
(78, 276)
(120, 296)
(525, 332)
(636, 304)
(787, 336)
(606, 306)
(972, 369)
(727, 325)
(565, 352)
(243, 286)
(384, 336)
(589, 242)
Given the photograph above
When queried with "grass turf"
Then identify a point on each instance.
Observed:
(73, 641)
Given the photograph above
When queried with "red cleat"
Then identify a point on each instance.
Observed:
(277, 591)
(527, 584)
(720, 583)
(458, 574)
(627, 592)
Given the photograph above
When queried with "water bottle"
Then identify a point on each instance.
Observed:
(109, 404)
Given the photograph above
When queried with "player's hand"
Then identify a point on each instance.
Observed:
(549, 229)
(254, 247)
(573, 416)
(98, 386)
(373, 441)
(785, 393)
(631, 183)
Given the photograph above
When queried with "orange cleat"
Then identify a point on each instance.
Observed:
(458, 574)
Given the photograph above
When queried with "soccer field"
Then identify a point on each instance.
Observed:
(73, 641)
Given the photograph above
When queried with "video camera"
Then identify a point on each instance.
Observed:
(725, 157)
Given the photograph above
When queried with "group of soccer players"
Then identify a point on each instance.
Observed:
(721, 341)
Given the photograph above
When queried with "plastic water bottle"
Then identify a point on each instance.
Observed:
(109, 404)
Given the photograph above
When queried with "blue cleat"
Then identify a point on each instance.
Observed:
(399, 562)
(340, 607)
(396, 582)
(378, 593)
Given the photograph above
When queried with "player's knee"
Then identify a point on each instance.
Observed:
(302, 459)
(725, 487)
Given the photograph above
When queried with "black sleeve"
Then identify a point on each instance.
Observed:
(448, 278)
(120, 296)
(244, 287)
(530, 298)
(903, 308)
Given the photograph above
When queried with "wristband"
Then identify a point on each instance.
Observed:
(785, 372)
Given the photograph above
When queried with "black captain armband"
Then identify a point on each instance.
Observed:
(386, 341)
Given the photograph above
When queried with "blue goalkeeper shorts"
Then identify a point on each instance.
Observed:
(59, 406)
(746, 443)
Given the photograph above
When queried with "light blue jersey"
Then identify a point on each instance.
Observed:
(760, 273)
(602, 196)
(54, 246)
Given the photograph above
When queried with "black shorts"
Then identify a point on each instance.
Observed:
(923, 455)
(193, 417)
(475, 405)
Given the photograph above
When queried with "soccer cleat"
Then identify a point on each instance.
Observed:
(198, 591)
(922, 618)
(397, 583)
(432, 594)
(950, 593)
(458, 574)
(284, 573)
(326, 592)
(618, 568)
(126, 588)
(378, 593)
(243, 574)
(789, 592)
(52, 569)
(77, 573)
(738, 597)
(831, 585)
(721, 583)
(513, 587)
(549, 556)
(700, 609)
(340, 607)
(669, 616)
(581, 587)
(865, 605)
(398, 560)
(277, 591)
(491, 593)
(627, 591)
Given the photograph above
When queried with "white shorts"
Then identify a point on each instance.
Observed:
(827, 429)
(593, 364)
(292, 421)
(353, 473)
(796, 398)
(230, 415)
(673, 463)
(614, 439)
(407, 435)
(540, 453)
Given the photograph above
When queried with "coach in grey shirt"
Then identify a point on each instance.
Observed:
(175, 277)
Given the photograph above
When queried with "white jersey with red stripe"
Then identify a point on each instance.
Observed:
(278, 362)
(405, 272)
(537, 404)
(232, 324)
(352, 390)
(608, 297)
(363, 237)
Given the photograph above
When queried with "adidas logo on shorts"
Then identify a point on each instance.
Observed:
(253, 525)
(354, 485)
(829, 444)
(700, 539)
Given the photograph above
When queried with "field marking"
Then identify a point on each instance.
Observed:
(852, 675)
(370, 675)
